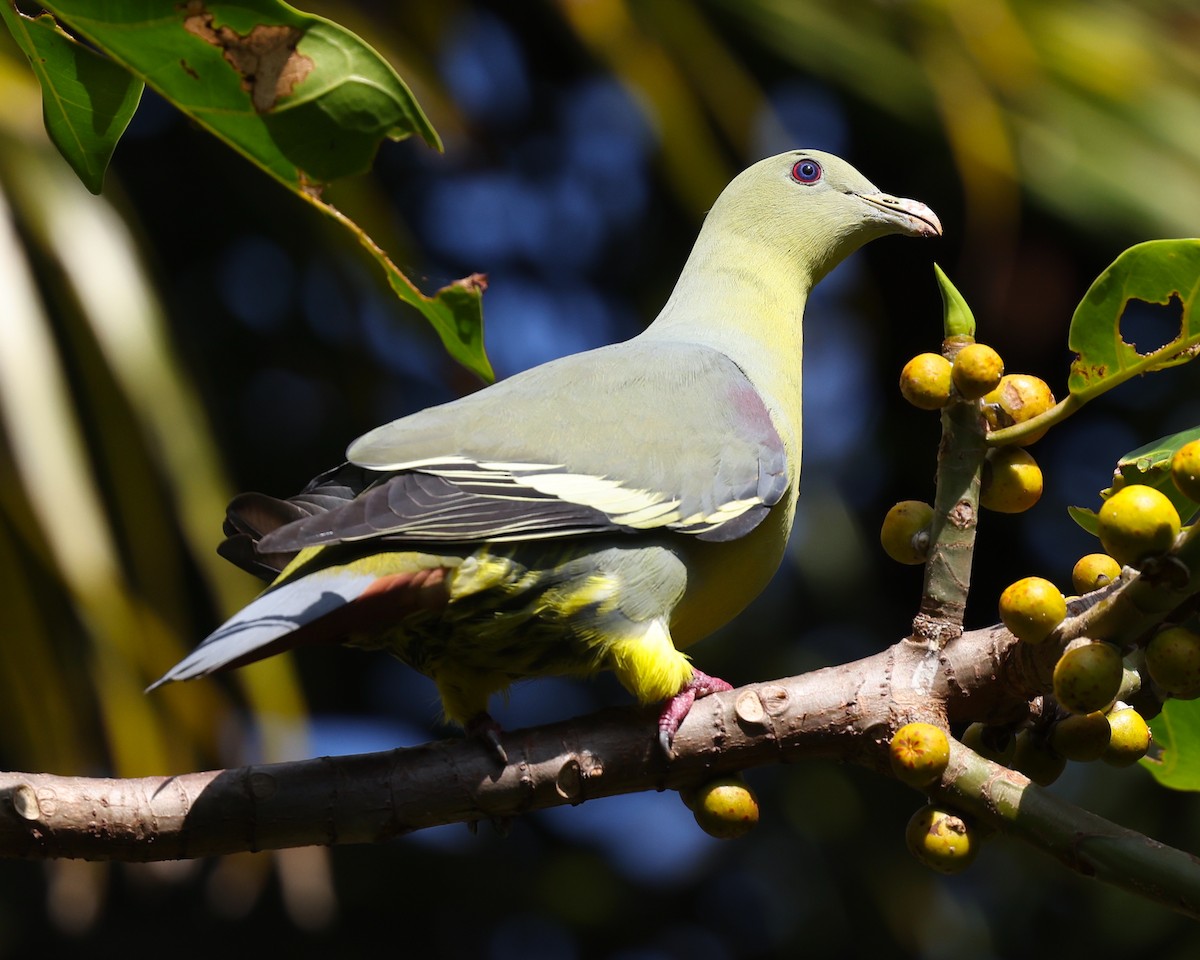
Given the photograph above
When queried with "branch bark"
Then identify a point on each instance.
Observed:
(847, 712)
(1080, 840)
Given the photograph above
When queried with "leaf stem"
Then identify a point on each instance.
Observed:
(1178, 353)
(1019, 431)
(454, 310)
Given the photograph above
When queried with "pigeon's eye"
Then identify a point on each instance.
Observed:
(806, 171)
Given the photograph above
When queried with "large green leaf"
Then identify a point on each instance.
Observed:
(1163, 272)
(1177, 731)
(87, 100)
(1155, 272)
(299, 96)
(302, 97)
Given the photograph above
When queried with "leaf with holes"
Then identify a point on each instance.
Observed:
(298, 95)
(87, 100)
(1156, 272)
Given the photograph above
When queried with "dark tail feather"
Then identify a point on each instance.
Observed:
(251, 516)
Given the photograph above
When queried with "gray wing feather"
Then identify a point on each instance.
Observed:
(423, 508)
(626, 437)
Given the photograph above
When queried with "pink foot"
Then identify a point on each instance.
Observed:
(488, 732)
(676, 708)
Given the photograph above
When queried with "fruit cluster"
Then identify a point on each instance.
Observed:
(1012, 480)
(940, 838)
(1084, 715)
(947, 840)
(1087, 718)
(1137, 524)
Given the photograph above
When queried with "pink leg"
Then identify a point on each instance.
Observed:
(677, 707)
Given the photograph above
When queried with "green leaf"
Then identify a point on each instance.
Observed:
(302, 97)
(455, 313)
(1154, 457)
(1155, 272)
(1177, 731)
(87, 100)
(1088, 519)
(957, 319)
(1149, 465)
(298, 95)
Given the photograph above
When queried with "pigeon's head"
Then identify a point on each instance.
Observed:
(817, 207)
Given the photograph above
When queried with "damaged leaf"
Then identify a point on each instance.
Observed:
(299, 96)
(265, 58)
(87, 100)
(1156, 272)
(1164, 272)
(302, 97)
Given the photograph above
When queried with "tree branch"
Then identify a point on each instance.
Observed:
(847, 712)
(1082, 841)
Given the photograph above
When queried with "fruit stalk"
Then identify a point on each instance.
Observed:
(955, 515)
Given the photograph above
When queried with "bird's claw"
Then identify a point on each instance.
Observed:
(677, 707)
(487, 731)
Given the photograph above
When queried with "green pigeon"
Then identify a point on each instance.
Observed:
(603, 511)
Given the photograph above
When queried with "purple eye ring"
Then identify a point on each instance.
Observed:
(806, 171)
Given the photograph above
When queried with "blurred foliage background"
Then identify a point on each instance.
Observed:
(196, 331)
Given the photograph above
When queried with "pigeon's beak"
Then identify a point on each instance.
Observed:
(907, 216)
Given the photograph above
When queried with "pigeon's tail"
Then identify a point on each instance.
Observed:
(328, 605)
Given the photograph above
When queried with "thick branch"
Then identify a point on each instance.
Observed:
(848, 712)
(372, 797)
